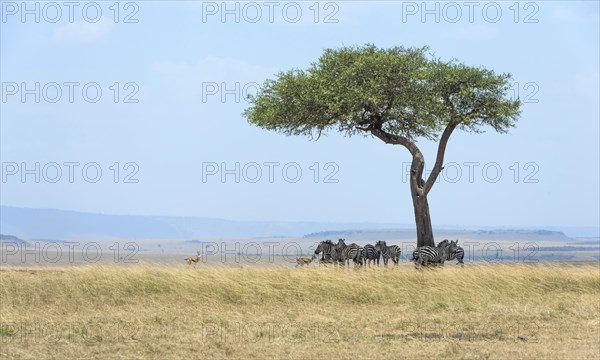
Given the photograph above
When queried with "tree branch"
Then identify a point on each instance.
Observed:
(439, 161)
(418, 161)
(395, 140)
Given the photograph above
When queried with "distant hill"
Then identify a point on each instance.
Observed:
(28, 223)
(71, 225)
(409, 235)
(12, 239)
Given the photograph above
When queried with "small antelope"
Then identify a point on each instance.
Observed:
(193, 259)
(301, 261)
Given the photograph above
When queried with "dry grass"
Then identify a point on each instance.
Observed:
(475, 312)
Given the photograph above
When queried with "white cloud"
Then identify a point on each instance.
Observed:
(83, 32)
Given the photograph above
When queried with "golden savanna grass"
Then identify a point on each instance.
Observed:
(147, 311)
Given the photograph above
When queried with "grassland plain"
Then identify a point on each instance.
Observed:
(495, 311)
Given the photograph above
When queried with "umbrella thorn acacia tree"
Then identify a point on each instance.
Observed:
(397, 95)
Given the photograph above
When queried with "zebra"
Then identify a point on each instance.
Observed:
(353, 252)
(443, 243)
(388, 252)
(415, 253)
(459, 254)
(347, 252)
(325, 248)
(427, 254)
(371, 254)
(329, 252)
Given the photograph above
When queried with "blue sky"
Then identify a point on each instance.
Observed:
(177, 58)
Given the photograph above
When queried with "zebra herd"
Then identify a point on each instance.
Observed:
(340, 253)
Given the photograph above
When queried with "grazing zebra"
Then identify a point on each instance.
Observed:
(436, 255)
(388, 252)
(371, 254)
(301, 261)
(193, 259)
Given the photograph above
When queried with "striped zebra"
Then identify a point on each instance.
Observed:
(371, 254)
(459, 254)
(341, 245)
(388, 252)
(349, 252)
(339, 248)
(415, 253)
(436, 255)
(361, 256)
(328, 251)
(353, 252)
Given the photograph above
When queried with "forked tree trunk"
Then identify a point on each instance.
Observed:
(419, 188)
(420, 204)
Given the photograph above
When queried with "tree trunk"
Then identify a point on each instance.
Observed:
(420, 204)
(419, 188)
(423, 221)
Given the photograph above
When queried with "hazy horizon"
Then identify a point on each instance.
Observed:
(573, 231)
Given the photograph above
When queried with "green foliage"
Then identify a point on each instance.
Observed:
(401, 91)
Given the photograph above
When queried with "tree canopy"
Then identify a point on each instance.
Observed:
(397, 95)
(402, 92)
